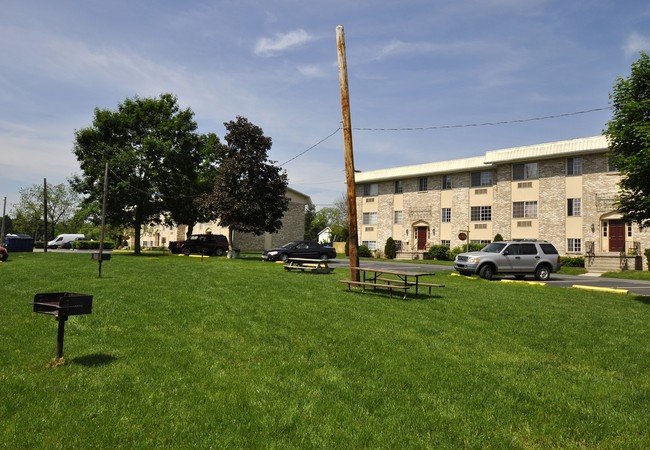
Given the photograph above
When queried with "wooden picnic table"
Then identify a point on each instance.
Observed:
(391, 279)
(307, 264)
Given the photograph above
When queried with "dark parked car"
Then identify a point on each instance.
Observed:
(208, 244)
(3, 254)
(299, 249)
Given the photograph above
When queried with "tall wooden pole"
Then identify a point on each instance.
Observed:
(44, 213)
(353, 235)
(101, 233)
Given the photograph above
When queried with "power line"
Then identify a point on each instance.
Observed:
(441, 127)
(485, 124)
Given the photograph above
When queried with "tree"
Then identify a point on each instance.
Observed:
(335, 217)
(310, 213)
(390, 249)
(190, 174)
(628, 134)
(249, 194)
(62, 204)
(141, 142)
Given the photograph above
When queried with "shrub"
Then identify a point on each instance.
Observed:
(572, 261)
(390, 249)
(497, 238)
(439, 252)
(473, 247)
(364, 251)
(91, 245)
(39, 244)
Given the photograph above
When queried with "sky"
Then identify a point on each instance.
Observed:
(424, 76)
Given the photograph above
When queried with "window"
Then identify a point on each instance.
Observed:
(481, 213)
(526, 171)
(574, 207)
(574, 166)
(446, 243)
(370, 218)
(446, 181)
(524, 210)
(370, 189)
(399, 187)
(483, 178)
(574, 245)
(397, 217)
(372, 245)
(398, 246)
(446, 214)
(611, 167)
(423, 184)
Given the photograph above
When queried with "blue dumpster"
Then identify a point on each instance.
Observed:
(18, 243)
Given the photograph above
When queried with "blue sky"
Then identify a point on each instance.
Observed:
(411, 64)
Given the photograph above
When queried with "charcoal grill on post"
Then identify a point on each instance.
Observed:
(61, 305)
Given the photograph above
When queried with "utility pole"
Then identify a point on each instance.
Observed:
(353, 235)
(2, 230)
(44, 214)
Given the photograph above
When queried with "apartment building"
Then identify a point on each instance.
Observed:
(562, 192)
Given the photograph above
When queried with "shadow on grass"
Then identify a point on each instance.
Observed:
(96, 360)
(643, 299)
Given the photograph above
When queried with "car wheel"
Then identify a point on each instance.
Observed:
(542, 273)
(324, 257)
(187, 251)
(218, 251)
(283, 257)
(486, 272)
(4, 257)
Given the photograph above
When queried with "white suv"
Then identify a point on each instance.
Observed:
(519, 258)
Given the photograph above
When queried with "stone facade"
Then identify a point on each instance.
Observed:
(293, 228)
(562, 192)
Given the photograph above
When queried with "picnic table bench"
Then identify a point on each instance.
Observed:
(402, 280)
(309, 265)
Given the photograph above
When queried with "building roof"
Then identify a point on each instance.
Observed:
(539, 151)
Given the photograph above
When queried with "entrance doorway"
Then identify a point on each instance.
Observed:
(421, 233)
(616, 236)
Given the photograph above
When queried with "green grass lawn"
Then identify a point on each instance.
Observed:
(215, 353)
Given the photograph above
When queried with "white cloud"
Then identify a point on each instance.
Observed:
(636, 43)
(312, 71)
(281, 42)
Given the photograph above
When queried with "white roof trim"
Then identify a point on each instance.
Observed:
(539, 151)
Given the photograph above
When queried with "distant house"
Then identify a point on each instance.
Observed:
(325, 235)
(293, 228)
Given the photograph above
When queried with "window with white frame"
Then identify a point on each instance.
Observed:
(482, 178)
(398, 245)
(398, 217)
(399, 187)
(446, 182)
(446, 243)
(423, 184)
(370, 218)
(573, 245)
(574, 166)
(481, 213)
(524, 210)
(372, 245)
(574, 207)
(446, 214)
(527, 171)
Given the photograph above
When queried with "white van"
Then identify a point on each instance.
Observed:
(65, 240)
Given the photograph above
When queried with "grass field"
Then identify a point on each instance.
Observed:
(215, 353)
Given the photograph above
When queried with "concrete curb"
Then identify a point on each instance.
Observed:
(601, 289)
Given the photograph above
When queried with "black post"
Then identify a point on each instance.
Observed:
(59, 336)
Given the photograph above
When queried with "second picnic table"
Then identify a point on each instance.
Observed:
(309, 265)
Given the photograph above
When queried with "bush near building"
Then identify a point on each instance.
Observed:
(440, 252)
(390, 249)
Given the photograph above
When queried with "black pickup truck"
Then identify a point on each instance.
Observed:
(207, 244)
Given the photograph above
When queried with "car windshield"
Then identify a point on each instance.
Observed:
(494, 247)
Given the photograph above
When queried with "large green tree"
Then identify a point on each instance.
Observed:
(249, 193)
(145, 141)
(628, 134)
(62, 204)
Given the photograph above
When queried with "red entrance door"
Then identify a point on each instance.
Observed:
(616, 236)
(422, 238)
